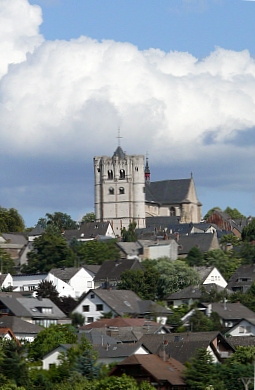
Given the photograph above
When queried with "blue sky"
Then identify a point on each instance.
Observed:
(177, 77)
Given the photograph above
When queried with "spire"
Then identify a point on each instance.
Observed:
(119, 151)
(147, 172)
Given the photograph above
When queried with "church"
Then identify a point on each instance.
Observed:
(124, 193)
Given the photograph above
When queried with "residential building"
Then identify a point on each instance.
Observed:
(242, 278)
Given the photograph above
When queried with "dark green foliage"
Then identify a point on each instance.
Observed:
(86, 365)
(11, 221)
(234, 213)
(230, 239)
(7, 264)
(89, 217)
(57, 222)
(247, 298)
(210, 212)
(199, 322)
(195, 257)
(77, 319)
(96, 252)
(13, 364)
(247, 252)
(214, 295)
(129, 235)
(248, 232)
(225, 262)
(50, 338)
(49, 251)
(143, 283)
(46, 289)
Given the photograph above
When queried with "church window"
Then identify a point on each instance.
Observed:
(172, 211)
(136, 169)
(122, 174)
(110, 174)
(98, 169)
(122, 191)
(111, 191)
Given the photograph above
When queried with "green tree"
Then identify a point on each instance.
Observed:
(96, 252)
(195, 257)
(234, 213)
(57, 222)
(89, 217)
(210, 212)
(49, 251)
(143, 283)
(225, 262)
(77, 319)
(230, 239)
(11, 220)
(50, 338)
(199, 322)
(129, 235)
(242, 355)
(247, 252)
(201, 371)
(46, 289)
(14, 366)
(248, 232)
(174, 275)
(7, 264)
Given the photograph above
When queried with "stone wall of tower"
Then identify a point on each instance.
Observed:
(119, 190)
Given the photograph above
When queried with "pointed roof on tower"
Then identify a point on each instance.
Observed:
(119, 153)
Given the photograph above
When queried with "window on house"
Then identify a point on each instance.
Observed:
(100, 307)
(121, 190)
(98, 169)
(89, 284)
(46, 310)
(122, 174)
(85, 308)
(241, 329)
(110, 174)
(248, 329)
(111, 191)
(172, 211)
(212, 278)
(90, 319)
(92, 296)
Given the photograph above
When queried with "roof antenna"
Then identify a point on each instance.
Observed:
(119, 136)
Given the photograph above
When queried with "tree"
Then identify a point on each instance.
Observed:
(7, 264)
(89, 217)
(210, 212)
(50, 338)
(195, 257)
(225, 262)
(230, 239)
(77, 319)
(174, 275)
(49, 251)
(57, 222)
(234, 213)
(46, 289)
(96, 252)
(14, 366)
(199, 322)
(248, 232)
(130, 234)
(11, 220)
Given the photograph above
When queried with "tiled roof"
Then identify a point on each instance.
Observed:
(204, 272)
(97, 338)
(242, 341)
(203, 242)
(65, 273)
(19, 326)
(170, 371)
(194, 292)
(113, 269)
(88, 230)
(232, 311)
(15, 238)
(243, 276)
(119, 153)
(115, 350)
(167, 191)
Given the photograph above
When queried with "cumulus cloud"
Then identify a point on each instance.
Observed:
(67, 98)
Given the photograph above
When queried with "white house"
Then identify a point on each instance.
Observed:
(211, 275)
(245, 327)
(28, 283)
(6, 280)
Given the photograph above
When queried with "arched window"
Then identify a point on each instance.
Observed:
(111, 191)
(136, 169)
(121, 190)
(110, 174)
(122, 174)
(172, 211)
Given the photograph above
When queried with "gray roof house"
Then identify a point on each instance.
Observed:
(109, 274)
(242, 278)
(204, 242)
(119, 302)
(22, 330)
(90, 231)
(40, 311)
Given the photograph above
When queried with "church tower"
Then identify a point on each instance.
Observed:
(120, 189)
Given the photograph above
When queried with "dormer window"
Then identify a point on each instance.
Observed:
(172, 211)
(110, 174)
(122, 174)
(121, 190)
(111, 191)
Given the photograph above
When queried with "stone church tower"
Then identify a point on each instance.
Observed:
(120, 189)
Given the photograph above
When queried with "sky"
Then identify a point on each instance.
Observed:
(177, 77)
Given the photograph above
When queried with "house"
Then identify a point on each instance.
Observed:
(119, 302)
(52, 357)
(210, 275)
(71, 281)
(6, 281)
(192, 294)
(90, 231)
(225, 222)
(22, 330)
(165, 375)
(129, 250)
(159, 248)
(125, 330)
(7, 334)
(13, 244)
(242, 328)
(109, 274)
(242, 278)
(39, 311)
(183, 346)
(27, 283)
(204, 242)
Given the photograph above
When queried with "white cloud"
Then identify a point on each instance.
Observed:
(69, 97)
